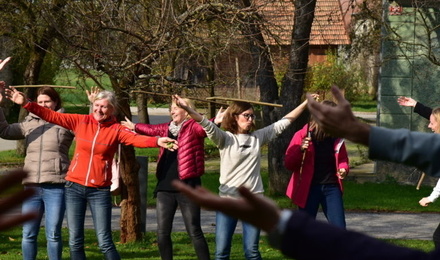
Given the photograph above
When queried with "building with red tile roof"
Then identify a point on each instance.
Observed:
(329, 28)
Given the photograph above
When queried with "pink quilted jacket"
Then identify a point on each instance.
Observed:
(191, 152)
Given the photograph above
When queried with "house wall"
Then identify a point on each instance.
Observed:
(405, 71)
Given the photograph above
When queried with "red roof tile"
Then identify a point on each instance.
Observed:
(328, 27)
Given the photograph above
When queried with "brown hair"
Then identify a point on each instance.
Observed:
(52, 93)
(229, 122)
(319, 134)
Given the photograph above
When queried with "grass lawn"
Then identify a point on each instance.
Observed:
(10, 246)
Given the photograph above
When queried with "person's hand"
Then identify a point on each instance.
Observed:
(220, 114)
(254, 209)
(130, 125)
(16, 96)
(167, 143)
(424, 202)
(4, 62)
(92, 93)
(14, 200)
(406, 101)
(305, 143)
(2, 90)
(180, 102)
(339, 121)
(341, 173)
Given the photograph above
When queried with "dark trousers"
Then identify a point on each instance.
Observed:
(166, 205)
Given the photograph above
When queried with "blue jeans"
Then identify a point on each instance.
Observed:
(48, 201)
(166, 205)
(329, 196)
(225, 227)
(99, 200)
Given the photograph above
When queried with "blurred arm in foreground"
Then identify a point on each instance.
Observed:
(14, 200)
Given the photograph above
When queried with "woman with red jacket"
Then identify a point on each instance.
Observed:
(89, 176)
(319, 162)
(187, 164)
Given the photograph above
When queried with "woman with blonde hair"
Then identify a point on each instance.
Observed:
(89, 176)
(186, 164)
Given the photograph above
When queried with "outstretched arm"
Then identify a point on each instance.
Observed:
(406, 101)
(300, 236)
(296, 112)
(14, 200)
(339, 120)
(419, 108)
(4, 62)
(254, 209)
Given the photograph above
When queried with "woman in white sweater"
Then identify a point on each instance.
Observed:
(240, 159)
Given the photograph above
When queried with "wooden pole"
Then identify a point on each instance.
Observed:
(39, 86)
(169, 95)
(245, 100)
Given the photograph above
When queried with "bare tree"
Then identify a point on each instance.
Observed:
(24, 23)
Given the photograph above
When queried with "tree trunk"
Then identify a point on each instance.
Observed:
(265, 76)
(31, 75)
(131, 229)
(291, 92)
(142, 106)
(130, 221)
(36, 58)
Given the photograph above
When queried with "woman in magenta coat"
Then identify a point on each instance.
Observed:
(186, 164)
(319, 162)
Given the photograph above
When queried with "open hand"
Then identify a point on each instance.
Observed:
(16, 96)
(92, 93)
(167, 143)
(406, 102)
(127, 123)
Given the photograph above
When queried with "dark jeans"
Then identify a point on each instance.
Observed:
(166, 205)
(329, 196)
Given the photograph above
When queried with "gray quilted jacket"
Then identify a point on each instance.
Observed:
(47, 147)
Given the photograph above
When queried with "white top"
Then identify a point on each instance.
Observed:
(435, 192)
(240, 156)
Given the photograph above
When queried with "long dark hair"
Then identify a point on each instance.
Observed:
(318, 133)
(52, 93)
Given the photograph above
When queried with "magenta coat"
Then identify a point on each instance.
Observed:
(191, 152)
(299, 184)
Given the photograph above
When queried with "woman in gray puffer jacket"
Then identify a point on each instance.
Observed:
(47, 161)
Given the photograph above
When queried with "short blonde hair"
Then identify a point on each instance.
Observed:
(109, 96)
(188, 101)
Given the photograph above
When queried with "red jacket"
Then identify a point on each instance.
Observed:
(191, 152)
(96, 144)
(299, 185)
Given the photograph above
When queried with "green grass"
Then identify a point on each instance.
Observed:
(10, 246)
(364, 106)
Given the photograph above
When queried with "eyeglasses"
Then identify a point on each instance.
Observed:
(247, 116)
